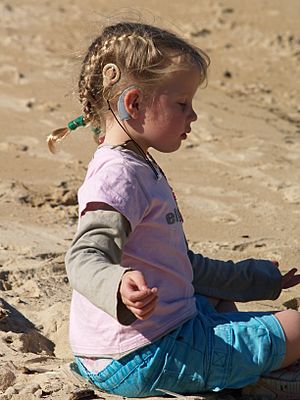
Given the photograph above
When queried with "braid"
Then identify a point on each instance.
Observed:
(90, 84)
(87, 88)
(143, 53)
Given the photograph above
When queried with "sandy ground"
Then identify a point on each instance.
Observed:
(237, 178)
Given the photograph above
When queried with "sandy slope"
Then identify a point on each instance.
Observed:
(237, 178)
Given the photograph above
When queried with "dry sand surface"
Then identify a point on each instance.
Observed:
(237, 177)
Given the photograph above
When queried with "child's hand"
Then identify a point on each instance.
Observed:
(136, 295)
(290, 279)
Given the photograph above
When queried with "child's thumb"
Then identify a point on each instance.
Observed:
(140, 281)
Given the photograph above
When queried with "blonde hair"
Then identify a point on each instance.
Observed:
(143, 54)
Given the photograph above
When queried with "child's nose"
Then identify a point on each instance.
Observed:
(193, 116)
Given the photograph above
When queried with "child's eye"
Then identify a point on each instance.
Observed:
(183, 105)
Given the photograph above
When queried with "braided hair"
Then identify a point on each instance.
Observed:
(143, 54)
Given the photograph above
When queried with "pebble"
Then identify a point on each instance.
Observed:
(30, 389)
(7, 378)
(10, 391)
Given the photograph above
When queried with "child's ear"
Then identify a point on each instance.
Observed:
(132, 102)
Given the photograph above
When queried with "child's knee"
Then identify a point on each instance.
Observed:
(290, 322)
(288, 318)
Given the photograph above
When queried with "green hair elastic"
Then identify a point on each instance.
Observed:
(76, 123)
(96, 131)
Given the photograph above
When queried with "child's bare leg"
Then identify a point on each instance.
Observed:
(222, 305)
(290, 322)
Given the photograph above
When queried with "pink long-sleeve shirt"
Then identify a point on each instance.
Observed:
(156, 246)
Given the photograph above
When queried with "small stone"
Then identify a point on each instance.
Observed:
(30, 389)
(228, 10)
(50, 387)
(69, 198)
(3, 313)
(203, 33)
(8, 339)
(82, 394)
(10, 391)
(7, 378)
(39, 393)
(227, 74)
(8, 7)
(30, 103)
(24, 147)
(293, 304)
(31, 289)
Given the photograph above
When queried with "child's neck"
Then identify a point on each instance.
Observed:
(116, 136)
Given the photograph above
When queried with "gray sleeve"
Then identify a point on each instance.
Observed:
(93, 261)
(243, 281)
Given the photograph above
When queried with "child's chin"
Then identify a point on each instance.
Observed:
(168, 148)
(171, 150)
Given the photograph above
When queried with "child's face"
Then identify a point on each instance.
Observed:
(169, 116)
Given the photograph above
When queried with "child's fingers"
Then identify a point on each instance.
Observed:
(292, 271)
(140, 299)
(290, 274)
(290, 279)
(136, 295)
(142, 304)
(145, 312)
(137, 279)
(146, 316)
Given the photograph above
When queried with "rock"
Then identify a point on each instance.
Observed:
(10, 391)
(30, 289)
(293, 304)
(82, 394)
(34, 342)
(30, 389)
(3, 312)
(227, 74)
(7, 378)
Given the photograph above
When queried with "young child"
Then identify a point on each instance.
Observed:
(147, 314)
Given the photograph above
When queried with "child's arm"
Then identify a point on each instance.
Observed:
(246, 280)
(93, 261)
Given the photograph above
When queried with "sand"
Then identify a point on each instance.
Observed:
(237, 177)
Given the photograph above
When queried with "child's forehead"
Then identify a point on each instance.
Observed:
(182, 82)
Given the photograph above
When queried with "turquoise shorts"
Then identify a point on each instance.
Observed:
(211, 352)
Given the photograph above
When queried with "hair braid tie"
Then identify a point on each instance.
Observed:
(61, 133)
